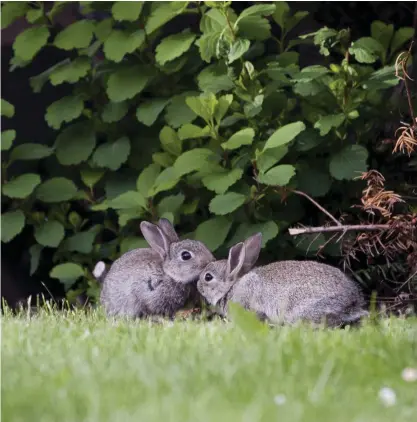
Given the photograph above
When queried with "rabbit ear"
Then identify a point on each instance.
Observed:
(252, 247)
(156, 238)
(168, 229)
(235, 261)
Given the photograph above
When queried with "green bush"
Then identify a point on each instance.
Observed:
(211, 126)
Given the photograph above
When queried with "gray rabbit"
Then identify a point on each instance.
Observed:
(281, 292)
(153, 281)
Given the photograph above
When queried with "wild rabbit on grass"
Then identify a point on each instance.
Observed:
(153, 281)
(281, 292)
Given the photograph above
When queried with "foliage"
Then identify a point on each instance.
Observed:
(200, 126)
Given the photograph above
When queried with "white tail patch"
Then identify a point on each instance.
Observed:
(99, 270)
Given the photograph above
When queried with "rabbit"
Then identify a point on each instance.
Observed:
(282, 292)
(153, 281)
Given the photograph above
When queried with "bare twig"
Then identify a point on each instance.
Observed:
(339, 228)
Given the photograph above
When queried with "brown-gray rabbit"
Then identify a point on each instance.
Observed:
(153, 281)
(281, 292)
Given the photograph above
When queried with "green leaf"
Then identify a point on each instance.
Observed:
(277, 176)
(223, 104)
(76, 35)
(147, 179)
(162, 13)
(257, 10)
(12, 10)
(246, 320)
(35, 256)
(170, 141)
(148, 111)
(382, 32)
(166, 180)
(213, 232)
(190, 131)
(81, 242)
(119, 43)
(30, 41)
(295, 20)
(238, 49)
(326, 123)
(269, 230)
(50, 233)
(203, 105)
(349, 163)
(310, 243)
(310, 73)
(130, 243)
(227, 203)
(33, 15)
(252, 24)
(170, 204)
(174, 46)
(313, 181)
(7, 138)
(114, 112)
(401, 36)
(178, 113)
(64, 110)
(112, 154)
(56, 189)
(270, 157)
(12, 223)
(7, 109)
(284, 135)
(163, 159)
(281, 14)
(70, 72)
(30, 152)
(220, 182)
(308, 140)
(192, 160)
(243, 137)
(366, 50)
(67, 273)
(91, 176)
(127, 82)
(215, 78)
(126, 10)
(129, 199)
(22, 186)
(75, 143)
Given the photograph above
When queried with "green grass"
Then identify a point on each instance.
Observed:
(76, 367)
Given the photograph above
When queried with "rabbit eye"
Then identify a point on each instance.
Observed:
(185, 255)
(208, 277)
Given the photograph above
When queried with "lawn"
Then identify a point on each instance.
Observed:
(75, 366)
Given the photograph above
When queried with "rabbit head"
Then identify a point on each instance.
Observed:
(219, 277)
(182, 260)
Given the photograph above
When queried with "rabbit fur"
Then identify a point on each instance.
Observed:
(282, 292)
(153, 281)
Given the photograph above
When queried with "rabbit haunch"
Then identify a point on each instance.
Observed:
(153, 281)
(282, 292)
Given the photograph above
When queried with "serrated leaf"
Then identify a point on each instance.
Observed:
(170, 204)
(119, 43)
(147, 179)
(64, 110)
(12, 223)
(174, 46)
(67, 273)
(284, 135)
(215, 78)
(70, 72)
(91, 176)
(222, 106)
(7, 109)
(81, 242)
(50, 233)
(366, 50)
(56, 189)
(7, 138)
(252, 24)
(126, 10)
(170, 141)
(277, 176)
(162, 13)
(12, 10)
(257, 10)
(268, 229)
(33, 15)
(35, 256)
(190, 131)
(270, 157)
(163, 159)
(310, 73)
(238, 49)
(166, 180)
(349, 163)
(148, 111)
(75, 143)
(192, 160)
(76, 35)
(326, 123)
(220, 182)
(382, 32)
(30, 152)
(112, 154)
(114, 112)
(308, 140)
(227, 203)
(128, 82)
(243, 137)
(401, 36)
(178, 113)
(203, 105)
(129, 199)
(30, 41)
(22, 186)
(213, 232)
